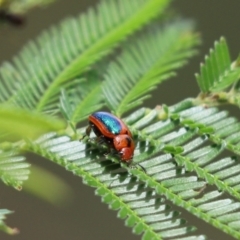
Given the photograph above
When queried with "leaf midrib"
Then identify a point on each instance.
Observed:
(82, 173)
(61, 77)
(187, 205)
(125, 100)
(85, 100)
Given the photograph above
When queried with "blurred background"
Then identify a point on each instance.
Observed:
(83, 216)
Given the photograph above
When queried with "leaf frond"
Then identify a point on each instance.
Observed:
(65, 52)
(147, 62)
(79, 103)
(204, 161)
(143, 210)
(191, 137)
(14, 170)
(217, 73)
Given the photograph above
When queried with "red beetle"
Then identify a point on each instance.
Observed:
(112, 130)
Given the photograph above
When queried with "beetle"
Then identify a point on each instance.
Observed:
(113, 131)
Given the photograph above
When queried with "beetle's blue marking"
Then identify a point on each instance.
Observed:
(111, 122)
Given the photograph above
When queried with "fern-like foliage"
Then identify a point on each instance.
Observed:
(147, 62)
(78, 103)
(13, 168)
(129, 79)
(3, 226)
(190, 129)
(143, 209)
(200, 133)
(217, 74)
(184, 148)
(67, 51)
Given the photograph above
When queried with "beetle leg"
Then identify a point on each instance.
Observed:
(87, 133)
(101, 140)
(88, 130)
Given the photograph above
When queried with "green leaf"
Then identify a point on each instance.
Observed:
(79, 103)
(13, 168)
(139, 196)
(217, 74)
(65, 52)
(139, 205)
(146, 62)
(21, 123)
(3, 226)
(226, 80)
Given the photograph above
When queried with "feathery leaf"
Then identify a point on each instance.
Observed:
(142, 209)
(78, 104)
(145, 63)
(64, 53)
(217, 73)
(200, 133)
(13, 168)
